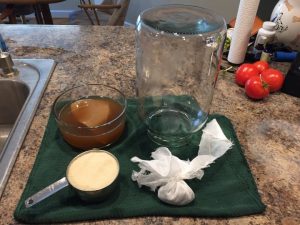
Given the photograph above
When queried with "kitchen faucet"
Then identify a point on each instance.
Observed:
(6, 65)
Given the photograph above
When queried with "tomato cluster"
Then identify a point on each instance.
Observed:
(259, 79)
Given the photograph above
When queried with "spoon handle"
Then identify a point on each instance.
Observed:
(46, 192)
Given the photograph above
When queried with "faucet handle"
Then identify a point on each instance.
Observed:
(6, 64)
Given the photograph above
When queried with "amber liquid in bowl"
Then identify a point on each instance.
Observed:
(92, 122)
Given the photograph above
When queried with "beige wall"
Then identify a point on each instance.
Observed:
(226, 8)
(65, 5)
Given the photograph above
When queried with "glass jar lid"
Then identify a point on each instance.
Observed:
(183, 19)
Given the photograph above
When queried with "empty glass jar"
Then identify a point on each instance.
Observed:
(178, 56)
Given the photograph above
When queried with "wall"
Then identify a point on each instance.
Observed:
(63, 9)
(226, 8)
(65, 5)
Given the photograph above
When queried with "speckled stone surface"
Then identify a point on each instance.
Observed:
(269, 130)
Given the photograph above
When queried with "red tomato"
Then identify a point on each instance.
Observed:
(244, 72)
(261, 65)
(274, 79)
(256, 88)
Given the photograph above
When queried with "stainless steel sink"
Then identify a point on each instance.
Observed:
(13, 95)
(19, 99)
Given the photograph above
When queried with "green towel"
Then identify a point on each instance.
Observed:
(226, 190)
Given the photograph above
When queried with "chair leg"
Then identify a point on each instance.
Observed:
(23, 19)
(88, 15)
(96, 16)
(12, 18)
(38, 14)
(118, 17)
(46, 14)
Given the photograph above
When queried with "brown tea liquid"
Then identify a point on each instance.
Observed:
(95, 122)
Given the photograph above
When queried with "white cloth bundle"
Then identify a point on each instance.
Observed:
(213, 141)
(167, 172)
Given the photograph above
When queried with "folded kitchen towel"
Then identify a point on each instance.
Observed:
(226, 190)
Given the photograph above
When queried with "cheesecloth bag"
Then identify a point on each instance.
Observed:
(166, 173)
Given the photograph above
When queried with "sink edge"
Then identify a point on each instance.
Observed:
(14, 144)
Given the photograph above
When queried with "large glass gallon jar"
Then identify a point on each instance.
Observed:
(178, 56)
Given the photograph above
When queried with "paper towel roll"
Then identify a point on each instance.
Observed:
(242, 30)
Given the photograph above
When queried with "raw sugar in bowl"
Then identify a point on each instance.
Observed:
(92, 174)
(91, 115)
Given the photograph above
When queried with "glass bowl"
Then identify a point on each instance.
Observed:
(90, 115)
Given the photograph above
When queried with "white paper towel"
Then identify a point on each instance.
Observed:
(242, 30)
(167, 173)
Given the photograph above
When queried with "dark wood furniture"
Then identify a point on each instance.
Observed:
(41, 9)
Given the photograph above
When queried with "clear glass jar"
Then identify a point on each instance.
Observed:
(178, 55)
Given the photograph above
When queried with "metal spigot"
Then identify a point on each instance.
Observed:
(7, 65)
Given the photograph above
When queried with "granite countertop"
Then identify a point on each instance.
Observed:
(268, 130)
